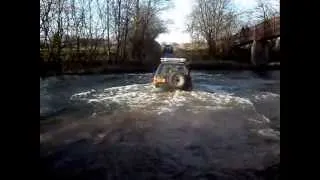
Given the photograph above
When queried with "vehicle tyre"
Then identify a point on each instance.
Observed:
(177, 80)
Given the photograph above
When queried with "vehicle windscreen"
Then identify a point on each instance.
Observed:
(165, 69)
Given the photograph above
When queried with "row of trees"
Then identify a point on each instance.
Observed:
(211, 20)
(118, 30)
(115, 29)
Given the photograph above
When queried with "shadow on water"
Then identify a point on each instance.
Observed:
(131, 146)
(263, 74)
(122, 160)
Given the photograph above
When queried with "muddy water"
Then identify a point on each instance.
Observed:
(120, 127)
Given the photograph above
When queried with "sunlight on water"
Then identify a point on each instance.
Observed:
(146, 98)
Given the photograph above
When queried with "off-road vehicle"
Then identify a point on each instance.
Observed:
(173, 73)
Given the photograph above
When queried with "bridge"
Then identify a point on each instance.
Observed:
(260, 38)
(266, 30)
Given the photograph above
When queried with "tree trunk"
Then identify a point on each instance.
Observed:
(211, 47)
(108, 30)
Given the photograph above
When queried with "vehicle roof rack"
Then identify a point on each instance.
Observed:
(181, 60)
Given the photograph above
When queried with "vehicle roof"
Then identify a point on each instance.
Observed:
(174, 63)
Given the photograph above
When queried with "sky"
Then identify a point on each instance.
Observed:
(178, 16)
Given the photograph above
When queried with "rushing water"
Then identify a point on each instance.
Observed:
(120, 127)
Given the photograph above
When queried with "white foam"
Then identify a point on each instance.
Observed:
(260, 118)
(266, 95)
(255, 120)
(82, 95)
(265, 118)
(144, 97)
(270, 133)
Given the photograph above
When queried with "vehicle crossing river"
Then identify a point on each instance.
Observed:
(119, 126)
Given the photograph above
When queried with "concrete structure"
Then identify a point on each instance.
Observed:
(277, 45)
(262, 38)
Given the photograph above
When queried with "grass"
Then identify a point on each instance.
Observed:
(86, 62)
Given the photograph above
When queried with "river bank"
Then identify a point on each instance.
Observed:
(231, 65)
(88, 69)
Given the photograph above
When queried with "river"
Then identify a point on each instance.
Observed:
(120, 127)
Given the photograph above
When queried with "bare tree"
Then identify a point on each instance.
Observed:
(85, 27)
(147, 25)
(209, 19)
(266, 9)
(46, 8)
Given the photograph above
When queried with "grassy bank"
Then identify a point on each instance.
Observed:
(85, 63)
(230, 65)
(92, 67)
(142, 68)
